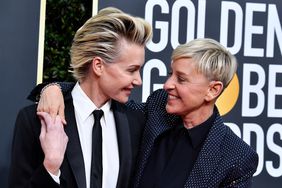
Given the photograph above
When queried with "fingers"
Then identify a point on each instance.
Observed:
(52, 102)
(46, 118)
(58, 121)
(43, 129)
(62, 114)
(53, 113)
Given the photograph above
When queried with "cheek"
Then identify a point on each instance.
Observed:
(114, 79)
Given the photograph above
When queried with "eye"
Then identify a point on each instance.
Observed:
(169, 73)
(180, 79)
(132, 70)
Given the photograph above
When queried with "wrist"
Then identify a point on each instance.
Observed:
(49, 85)
(51, 167)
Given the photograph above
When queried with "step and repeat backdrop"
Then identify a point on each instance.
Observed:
(19, 33)
(250, 29)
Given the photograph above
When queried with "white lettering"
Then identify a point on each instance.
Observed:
(175, 21)
(226, 7)
(251, 29)
(247, 89)
(275, 128)
(153, 63)
(273, 91)
(161, 25)
(201, 18)
(273, 25)
(249, 128)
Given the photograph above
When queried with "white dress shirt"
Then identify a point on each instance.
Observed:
(83, 108)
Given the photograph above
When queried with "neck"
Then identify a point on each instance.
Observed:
(93, 91)
(195, 118)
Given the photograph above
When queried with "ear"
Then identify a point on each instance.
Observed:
(214, 91)
(97, 66)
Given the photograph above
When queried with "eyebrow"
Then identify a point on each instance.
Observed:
(134, 66)
(181, 73)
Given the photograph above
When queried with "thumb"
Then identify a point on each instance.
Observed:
(62, 114)
(47, 120)
(43, 128)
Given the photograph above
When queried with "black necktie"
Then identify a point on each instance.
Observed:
(96, 162)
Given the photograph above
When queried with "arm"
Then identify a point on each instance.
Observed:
(157, 97)
(51, 98)
(27, 169)
(34, 95)
(242, 175)
(137, 106)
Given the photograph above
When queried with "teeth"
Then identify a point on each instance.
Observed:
(172, 97)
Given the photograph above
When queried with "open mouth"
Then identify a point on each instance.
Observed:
(172, 97)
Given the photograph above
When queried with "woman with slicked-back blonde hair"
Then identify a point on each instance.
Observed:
(98, 147)
(103, 35)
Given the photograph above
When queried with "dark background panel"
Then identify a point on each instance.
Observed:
(18, 68)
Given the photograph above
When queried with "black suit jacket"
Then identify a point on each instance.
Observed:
(27, 168)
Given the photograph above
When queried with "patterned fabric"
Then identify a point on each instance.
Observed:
(224, 161)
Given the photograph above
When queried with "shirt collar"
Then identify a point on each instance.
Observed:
(83, 104)
(199, 133)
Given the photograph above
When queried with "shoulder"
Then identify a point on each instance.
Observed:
(134, 117)
(234, 148)
(126, 108)
(27, 119)
(238, 144)
(28, 112)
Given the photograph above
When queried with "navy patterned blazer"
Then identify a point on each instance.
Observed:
(224, 160)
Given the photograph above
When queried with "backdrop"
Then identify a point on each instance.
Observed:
(19, 25)
(251, 30)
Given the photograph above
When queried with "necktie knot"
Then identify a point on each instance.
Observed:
(98, 114)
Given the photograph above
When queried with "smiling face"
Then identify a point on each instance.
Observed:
(121, 76)
(187, 89)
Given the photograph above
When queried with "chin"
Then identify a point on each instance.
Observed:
(172, 110)
(122, 99)
(169, 109)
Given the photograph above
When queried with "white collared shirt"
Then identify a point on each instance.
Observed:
(83, 108)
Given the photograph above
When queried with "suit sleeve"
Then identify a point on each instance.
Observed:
(137, 106)
(241, 177)
(157, 98)
(34, 95)
(26, 169)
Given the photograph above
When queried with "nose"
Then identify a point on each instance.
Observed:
(168, 85)
(137, 80)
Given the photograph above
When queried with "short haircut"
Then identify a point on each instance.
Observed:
(211, 59)
(102, 36)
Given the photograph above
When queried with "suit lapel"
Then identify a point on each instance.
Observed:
(209, 156)
(73, 151)
(124, 144)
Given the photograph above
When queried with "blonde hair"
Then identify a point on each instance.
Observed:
(102, 35)
(211, 59)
